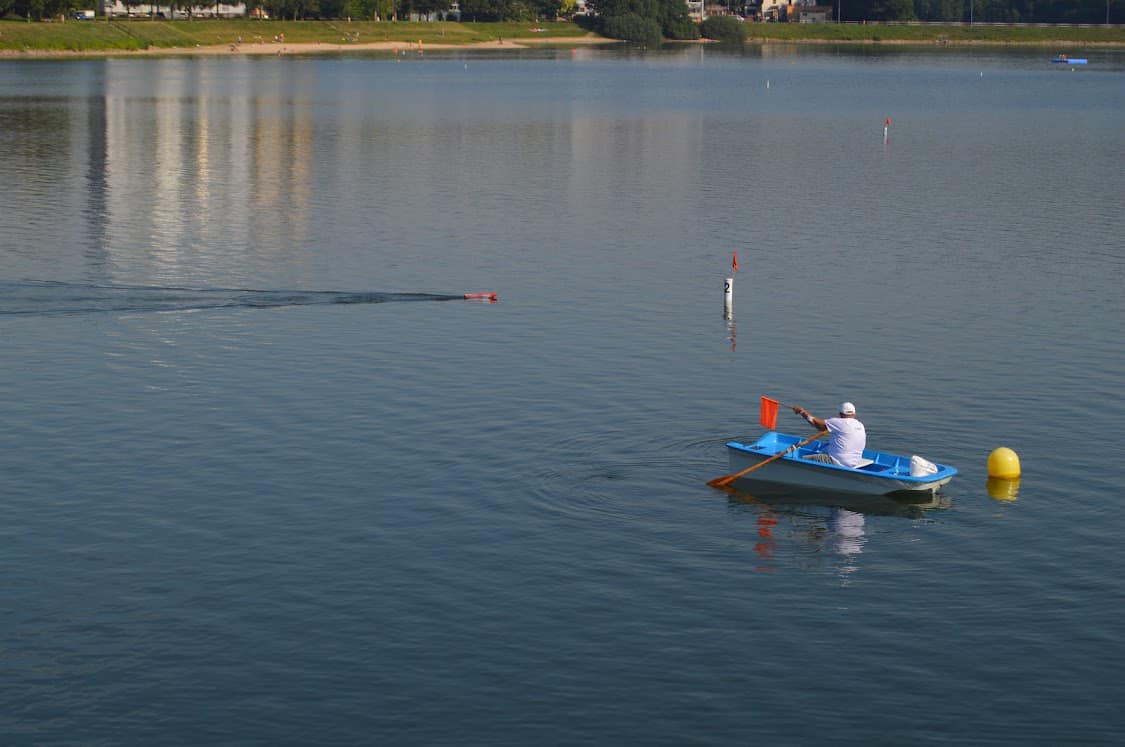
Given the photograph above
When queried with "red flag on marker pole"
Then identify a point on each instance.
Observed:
(734, 263)
(767, 418)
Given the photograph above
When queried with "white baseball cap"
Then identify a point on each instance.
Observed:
(847, 409)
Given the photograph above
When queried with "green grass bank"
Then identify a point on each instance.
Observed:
(938, 34)
(108, 36)
(92, 37)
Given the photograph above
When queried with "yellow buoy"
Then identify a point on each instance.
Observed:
(1003, 463)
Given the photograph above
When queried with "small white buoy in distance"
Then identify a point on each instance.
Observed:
(728, 288)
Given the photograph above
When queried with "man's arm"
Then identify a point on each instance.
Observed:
(815, 422)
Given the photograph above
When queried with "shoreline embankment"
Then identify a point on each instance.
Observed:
(139, 38)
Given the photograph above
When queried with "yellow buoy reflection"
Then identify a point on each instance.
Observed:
(1003, 489)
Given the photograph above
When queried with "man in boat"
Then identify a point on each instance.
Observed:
(847, 436)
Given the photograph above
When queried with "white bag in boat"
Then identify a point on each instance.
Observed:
(920, 467)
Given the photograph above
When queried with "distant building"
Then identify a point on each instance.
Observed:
(743, 10)
(802, 11)
(813, 14)
(171, 10)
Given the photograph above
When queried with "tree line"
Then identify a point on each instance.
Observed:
(636, 20)
(983, 11)
(962, 11)
(369, 10)
(402, 10)
(645, 21)
(386, 10)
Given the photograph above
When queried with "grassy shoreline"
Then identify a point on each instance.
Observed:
(19, 38)
(114, 36)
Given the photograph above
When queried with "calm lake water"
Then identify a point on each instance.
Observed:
(267, 479)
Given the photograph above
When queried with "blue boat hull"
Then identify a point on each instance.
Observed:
(884, 473)
(1069, 61)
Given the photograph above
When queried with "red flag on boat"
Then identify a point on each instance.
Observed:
(734, 262)
(767, 418)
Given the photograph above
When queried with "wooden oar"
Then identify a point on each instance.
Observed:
(722, 482)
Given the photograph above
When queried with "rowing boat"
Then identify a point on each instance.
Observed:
(1069, 60)
(879, 472)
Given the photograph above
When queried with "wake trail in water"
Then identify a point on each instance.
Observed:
(48, 297)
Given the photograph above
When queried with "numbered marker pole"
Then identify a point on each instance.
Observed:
(728, 297)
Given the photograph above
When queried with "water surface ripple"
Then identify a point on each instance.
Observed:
(249, 498)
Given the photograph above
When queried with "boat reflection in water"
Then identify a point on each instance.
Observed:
(810, 528)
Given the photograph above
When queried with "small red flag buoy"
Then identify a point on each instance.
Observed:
(734, 262)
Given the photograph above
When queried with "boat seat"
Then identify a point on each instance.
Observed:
(822, 456)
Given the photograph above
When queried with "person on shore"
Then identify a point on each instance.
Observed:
(847, 436)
